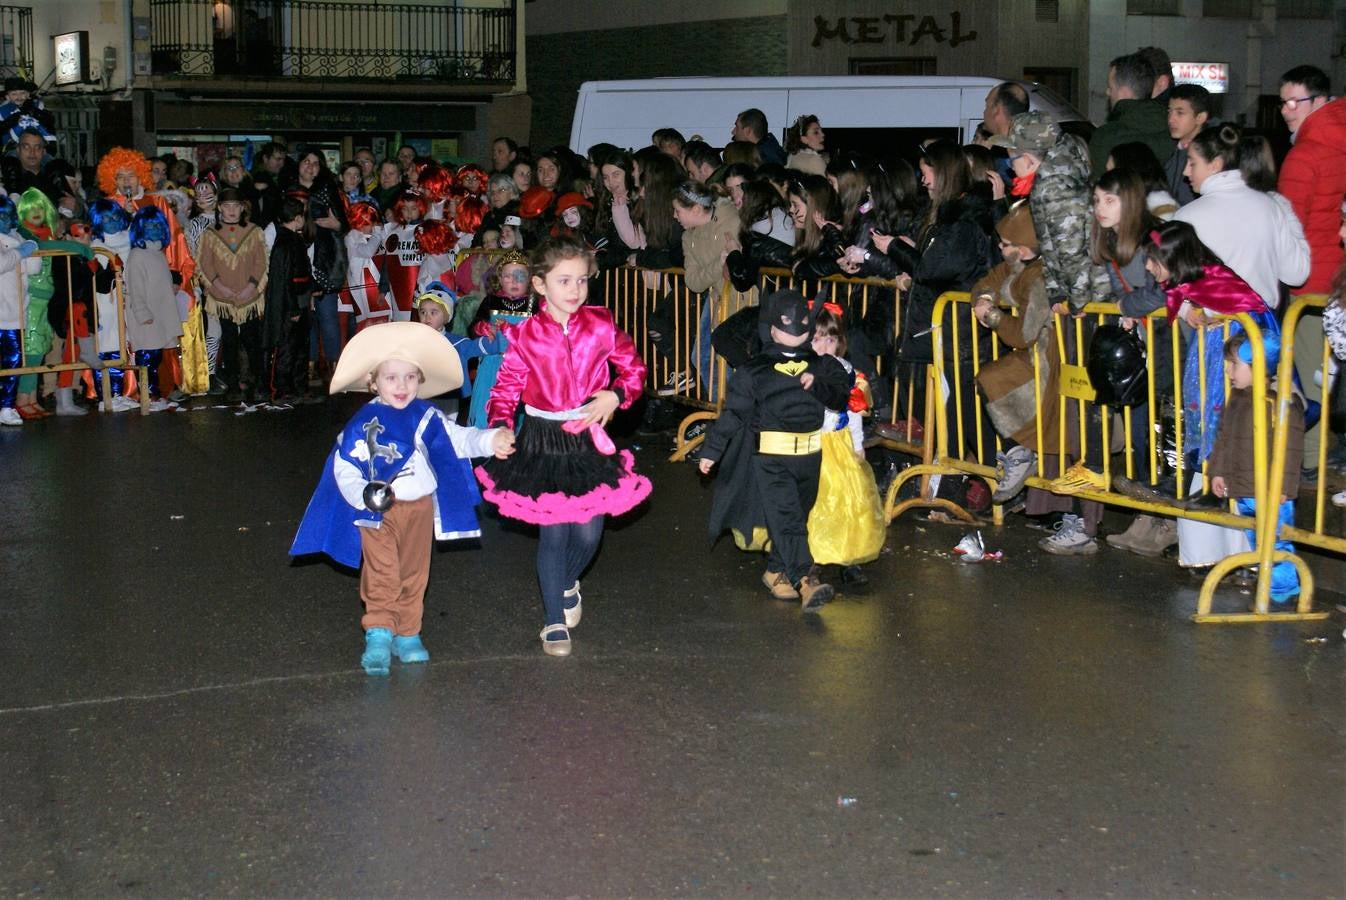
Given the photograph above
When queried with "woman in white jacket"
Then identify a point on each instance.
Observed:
(1254, 233)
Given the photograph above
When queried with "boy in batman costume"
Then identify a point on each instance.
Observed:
(768, 440)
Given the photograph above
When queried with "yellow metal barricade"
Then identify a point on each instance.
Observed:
(1314, 534)
(665, 318)
(124, 359)
(962, 452)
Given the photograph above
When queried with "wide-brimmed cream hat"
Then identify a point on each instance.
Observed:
(412, 342)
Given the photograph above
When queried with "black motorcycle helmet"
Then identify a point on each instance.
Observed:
(1117, 366)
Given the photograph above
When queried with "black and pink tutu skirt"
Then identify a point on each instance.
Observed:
(555, 476)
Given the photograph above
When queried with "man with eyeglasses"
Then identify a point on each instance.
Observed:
(1313, 179)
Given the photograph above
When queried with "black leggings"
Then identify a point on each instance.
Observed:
(564, 551)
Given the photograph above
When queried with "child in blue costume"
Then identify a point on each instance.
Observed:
(112, 233)
(398, 479)
(1231, 459)
(509, 303)
(434, 307)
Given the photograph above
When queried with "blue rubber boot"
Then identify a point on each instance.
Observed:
(409, 649)
(377, 656)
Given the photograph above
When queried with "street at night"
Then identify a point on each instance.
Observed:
(185, 713)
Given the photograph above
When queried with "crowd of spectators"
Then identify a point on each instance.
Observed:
(282, 258)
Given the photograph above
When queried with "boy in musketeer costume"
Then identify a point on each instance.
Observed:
(398, 479)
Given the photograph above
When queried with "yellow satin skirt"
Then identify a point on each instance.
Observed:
(846, 526)
(195, 373)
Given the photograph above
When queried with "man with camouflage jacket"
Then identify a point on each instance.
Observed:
(1052, 170)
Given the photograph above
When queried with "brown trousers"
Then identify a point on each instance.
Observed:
(397, 567)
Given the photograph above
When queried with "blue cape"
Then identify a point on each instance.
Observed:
(332, 526)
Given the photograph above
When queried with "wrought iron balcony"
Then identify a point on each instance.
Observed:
(16, 41)
(333, 39)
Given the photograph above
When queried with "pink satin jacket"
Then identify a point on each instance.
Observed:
(557, 369)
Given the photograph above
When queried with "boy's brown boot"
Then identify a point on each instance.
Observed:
(813, 593)
(778, 583)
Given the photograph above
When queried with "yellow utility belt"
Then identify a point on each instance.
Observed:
(789, 443)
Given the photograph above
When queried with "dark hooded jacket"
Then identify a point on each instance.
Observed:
(956, 250)
(1142, 121)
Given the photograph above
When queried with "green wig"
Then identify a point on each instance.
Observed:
(32, 199)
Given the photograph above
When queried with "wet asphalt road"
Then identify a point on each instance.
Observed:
(184, 714)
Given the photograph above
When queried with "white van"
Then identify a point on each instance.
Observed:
(857, 112)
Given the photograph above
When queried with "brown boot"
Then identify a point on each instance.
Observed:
(1163, 534)
(1136, 535)
(813, 593)
(778, 583)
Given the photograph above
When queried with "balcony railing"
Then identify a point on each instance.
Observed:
(331, 39)
(16, 41)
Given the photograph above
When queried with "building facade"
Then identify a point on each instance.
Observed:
(206, 77)
(1063, 44)
(210, 76)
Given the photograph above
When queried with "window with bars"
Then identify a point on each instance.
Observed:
(1152, 7)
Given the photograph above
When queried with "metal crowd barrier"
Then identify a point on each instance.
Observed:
(640, 297)
(125, 359)
(1315, 534)
(969, 454)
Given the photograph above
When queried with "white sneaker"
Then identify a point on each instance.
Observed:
(1012, 470)
(10, 416)
(1069, 539)
(1338, 499)
(677, 383)
(158, 405)
(119, 404)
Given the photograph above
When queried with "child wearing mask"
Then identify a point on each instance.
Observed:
(768, 439)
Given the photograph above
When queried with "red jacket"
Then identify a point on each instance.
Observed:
(1313, 179)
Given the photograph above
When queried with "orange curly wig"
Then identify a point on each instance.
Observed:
(120, 159)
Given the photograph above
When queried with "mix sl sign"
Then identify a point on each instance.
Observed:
(1214, 77)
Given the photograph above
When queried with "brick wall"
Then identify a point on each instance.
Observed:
(755, 46)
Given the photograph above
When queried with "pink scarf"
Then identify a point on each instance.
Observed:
(1219, 290)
